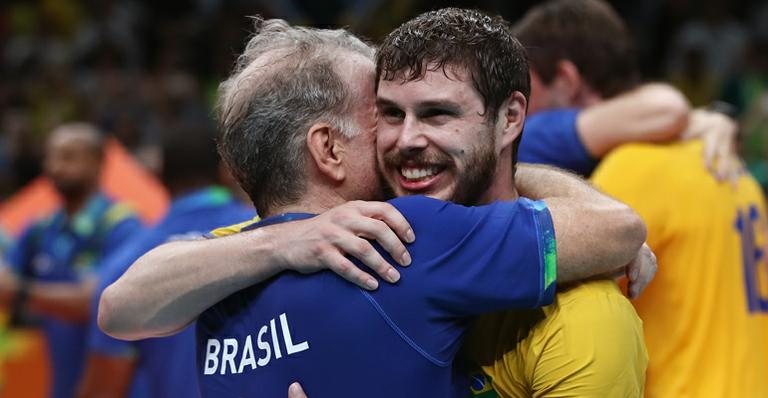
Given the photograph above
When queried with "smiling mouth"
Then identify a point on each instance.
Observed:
(415, 174)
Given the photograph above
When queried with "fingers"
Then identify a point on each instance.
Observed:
(641, 271)
(341, 265)
(379, 231)
(295, 391)
(363, 250)
(391, 216)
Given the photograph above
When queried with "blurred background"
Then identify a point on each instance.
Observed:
(135, 67)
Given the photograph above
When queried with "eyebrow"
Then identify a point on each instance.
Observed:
(446, 105)
(382, 102)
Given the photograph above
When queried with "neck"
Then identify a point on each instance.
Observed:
(316, 200)
(503, 185)
(75, 202)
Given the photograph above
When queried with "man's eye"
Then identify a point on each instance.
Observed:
(430, 113)
(392, 113)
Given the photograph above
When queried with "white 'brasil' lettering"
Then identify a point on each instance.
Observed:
(221, 354)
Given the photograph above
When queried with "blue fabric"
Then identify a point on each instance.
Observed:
(338, 340)
(167, 363)
(63, 249)
(551, 137)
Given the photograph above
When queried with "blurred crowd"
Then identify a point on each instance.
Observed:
(134, 67)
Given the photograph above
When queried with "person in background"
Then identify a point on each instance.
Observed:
(656, 179)
(190, 171)
(54, 266)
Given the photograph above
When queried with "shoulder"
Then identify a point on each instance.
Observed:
(564, 118)
(232, 229)
(118, 212)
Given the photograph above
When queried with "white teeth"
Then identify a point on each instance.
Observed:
(415, 174)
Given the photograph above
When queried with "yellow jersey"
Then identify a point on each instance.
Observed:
(587, 344)
(704, 313)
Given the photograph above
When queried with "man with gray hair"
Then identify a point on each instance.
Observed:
(261, 338)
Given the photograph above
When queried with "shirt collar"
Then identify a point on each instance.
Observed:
(86, 220)
(281, 218)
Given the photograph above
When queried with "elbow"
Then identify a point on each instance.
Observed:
(670, 110)
(108, 315)
(631, 234)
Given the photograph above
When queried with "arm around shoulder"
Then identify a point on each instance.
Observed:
(595, 234)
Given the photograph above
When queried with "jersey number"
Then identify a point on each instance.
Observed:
(753, 255)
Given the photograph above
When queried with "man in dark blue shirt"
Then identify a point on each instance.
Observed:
(57, 260)
(190, 170)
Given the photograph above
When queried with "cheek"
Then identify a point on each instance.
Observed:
(386, 139)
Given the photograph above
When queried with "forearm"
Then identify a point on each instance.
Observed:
(167, 288)
(654, 112)
(106, 377)
(595, 234)
(66, 301)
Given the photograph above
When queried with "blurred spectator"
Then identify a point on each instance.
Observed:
(54, 264)
(190, 170)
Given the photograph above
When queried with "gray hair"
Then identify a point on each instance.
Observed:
(285, 81)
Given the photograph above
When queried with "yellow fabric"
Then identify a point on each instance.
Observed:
(233, 229)
(588, 343)
(702, 340)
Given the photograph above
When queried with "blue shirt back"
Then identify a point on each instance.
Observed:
(339, 340)
(168, 363)
(551, 137)
(64, 249)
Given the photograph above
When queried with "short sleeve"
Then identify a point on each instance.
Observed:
(122, 232)
(20, 253)
(472, 260)
(552, 138)
(111, 270)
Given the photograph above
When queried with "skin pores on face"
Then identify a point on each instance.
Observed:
(434, 137)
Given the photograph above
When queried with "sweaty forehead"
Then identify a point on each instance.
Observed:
(440, 84)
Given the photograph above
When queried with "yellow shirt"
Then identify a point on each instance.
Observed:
(587, 344)
(704, 313)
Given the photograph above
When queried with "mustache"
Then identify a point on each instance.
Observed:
(396, 158)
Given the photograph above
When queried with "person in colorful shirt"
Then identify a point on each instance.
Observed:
(54, 265)
(190, 171)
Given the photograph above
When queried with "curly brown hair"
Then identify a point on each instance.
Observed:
(481, 44)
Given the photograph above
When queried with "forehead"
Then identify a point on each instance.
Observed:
(71, 140)
(439, 85)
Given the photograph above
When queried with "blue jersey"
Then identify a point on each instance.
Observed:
(551, 137)
(64, 249)
(338, 340)
(168, 363)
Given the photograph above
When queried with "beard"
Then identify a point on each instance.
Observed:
(477, 178)
(70, 189)
(471, 184)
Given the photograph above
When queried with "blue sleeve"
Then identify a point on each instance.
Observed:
(111, 270)
(19, 255)
(551, 138)
(121, 233)
(473, 260)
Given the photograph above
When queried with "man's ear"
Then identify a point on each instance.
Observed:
(512, 117)
(326, 150)
(568, 81)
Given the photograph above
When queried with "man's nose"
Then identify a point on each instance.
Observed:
(412, 139)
